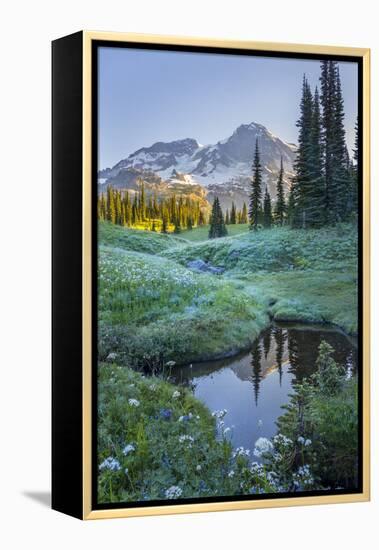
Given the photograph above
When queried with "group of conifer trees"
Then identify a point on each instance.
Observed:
(135, 209)
(261, 210)
(325, 187)
(236, 216)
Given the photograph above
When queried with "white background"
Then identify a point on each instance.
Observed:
(27, 29)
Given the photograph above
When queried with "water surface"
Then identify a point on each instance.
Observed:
(253, 386)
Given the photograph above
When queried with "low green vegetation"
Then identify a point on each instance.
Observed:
(199, 234)
(156, 441)
(279, 249)
(308, 276)
(152, 310)
(324, 411)
(139, 240)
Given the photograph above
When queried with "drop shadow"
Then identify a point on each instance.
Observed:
(41, 497)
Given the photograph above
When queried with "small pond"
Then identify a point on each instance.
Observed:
(254, 385)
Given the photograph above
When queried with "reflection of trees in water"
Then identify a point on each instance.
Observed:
(280, 338)
(267, 341)
(256, 364)
(270, 350)
(303, 351)
(293, 353)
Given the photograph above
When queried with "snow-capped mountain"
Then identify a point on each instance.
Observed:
(224, 169)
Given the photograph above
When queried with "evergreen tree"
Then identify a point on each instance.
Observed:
(177, 228)
(189, 223)
(227, 220)
(164, 228)
(202, 220)
(111, 206)
(244, 213)
(302, 216)
(280, 207)
(118, 208)
(291, 206)
(336, 173)
(153, 227)
(341, 156)
(141, 201)
(256, 191)
(316, 207)
(233, 214)
(267, 211)
(217, 225)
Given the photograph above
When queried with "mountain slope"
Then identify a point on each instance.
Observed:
(224, 169)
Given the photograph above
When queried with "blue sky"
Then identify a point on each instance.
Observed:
(148, 96)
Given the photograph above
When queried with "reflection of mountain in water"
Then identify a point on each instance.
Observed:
(279, 346)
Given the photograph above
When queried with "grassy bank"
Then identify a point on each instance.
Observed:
(156, 441)
(308, 276)
(153, 437)
(152, 310)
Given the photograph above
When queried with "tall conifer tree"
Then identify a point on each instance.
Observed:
(280, 206)
(303, 162)
(267, 211)
(217, 225)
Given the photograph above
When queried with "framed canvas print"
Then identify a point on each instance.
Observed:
(210, 275)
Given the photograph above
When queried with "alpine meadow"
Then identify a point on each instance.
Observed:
(227, 317)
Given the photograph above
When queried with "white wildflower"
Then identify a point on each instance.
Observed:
(128, 449)
(281, 439)
(173, 492)
(231, 473)
(110, 463)
(301, 440)
(133, 402)
(198, 468)
(219, 414)
(262, 446)
(186, 438)
(241, 451)
(176, 394)
(307, 442)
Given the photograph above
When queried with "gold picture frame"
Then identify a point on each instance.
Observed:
(84, 509)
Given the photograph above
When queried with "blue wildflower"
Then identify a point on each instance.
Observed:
(165, 414)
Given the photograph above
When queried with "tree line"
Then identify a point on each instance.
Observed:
(136, 209)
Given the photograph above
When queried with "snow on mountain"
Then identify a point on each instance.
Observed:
(224, 169)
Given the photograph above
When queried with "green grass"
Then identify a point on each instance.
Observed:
(152, 310)
(134, 239)
(309, 296)
(308, 276)
(199, 234)
(278, 249)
